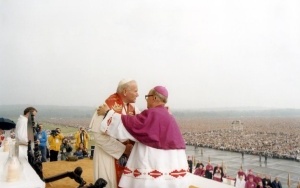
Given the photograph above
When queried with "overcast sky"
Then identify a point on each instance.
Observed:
(209, 54)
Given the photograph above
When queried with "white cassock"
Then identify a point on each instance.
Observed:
(148, 167)
(21, 130)
(240, 183)
(21, 134)
(107, 149)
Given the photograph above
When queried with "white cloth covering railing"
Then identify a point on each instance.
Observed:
(200, 182)
(28, 179)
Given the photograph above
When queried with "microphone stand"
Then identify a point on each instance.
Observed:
(76, 175)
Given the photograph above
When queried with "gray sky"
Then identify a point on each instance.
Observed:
(209, 54)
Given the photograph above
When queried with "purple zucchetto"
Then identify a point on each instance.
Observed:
(161, 90)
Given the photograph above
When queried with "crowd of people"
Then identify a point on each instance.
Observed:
(278, 138)
(243, 179)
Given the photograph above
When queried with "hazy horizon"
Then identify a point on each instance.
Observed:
(46, 111)
(241, 108)
(208, 54)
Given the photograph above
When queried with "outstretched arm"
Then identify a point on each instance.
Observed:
(112, 125)
(108, 144)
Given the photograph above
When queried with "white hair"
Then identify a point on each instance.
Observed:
(123, 84)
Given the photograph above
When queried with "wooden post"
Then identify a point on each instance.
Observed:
(289, 181)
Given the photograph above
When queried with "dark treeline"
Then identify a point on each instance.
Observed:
(47, 111)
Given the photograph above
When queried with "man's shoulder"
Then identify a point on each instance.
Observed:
(112, 98)
(22, 118)
(115, 102)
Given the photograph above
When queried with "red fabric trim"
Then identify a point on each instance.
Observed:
(155, 173)
(115, 102)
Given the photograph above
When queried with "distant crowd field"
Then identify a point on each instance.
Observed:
(276, 137)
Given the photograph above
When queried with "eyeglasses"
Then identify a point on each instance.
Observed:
(147, 96)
